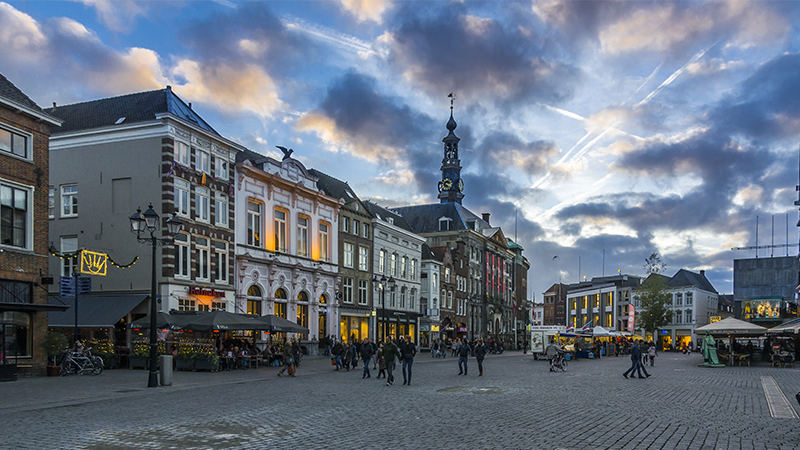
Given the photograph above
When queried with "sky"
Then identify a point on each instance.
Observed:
(595, 132)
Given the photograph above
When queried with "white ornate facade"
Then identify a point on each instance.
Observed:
(286, 249)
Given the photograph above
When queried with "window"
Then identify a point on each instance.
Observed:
(362, 291)
(69, 265)
(69, 200)
(689, 298)
(280, 309)
(356, 227)
(218, 306)
(403, 266)
(181, 153)
(221, 169)
(302, 236)
(51, 202)
(444, 224)
(393, 265)
(254, 304)
(302, 313)
(382, 262)
(413, 269)
(182, 197)
(182, 262)
(449, 299)
(679, 299)
(254, 223)
(366, 230)
(347, 290)
(15, 143)
(412, 300)
(345, 224)
(323, 242)
(185, 304)
(363, 259)
(201, 161)
(201, 204)
(280, 230)
(444, 296)
(15, 216)
(203, 254)
(221, 209)
(348, 255)
(403, 297)
(220, 261)
(688, 316)
(679, 316)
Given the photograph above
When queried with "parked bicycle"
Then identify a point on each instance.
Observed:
(81, 363)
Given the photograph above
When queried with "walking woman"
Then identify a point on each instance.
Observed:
(409, 351)
(288, 361)
(480, 353)
(381, 362)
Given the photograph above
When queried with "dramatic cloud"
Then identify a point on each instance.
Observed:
(367, 9)
(117, 15)
(477, 57)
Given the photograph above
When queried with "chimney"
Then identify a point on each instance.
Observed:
(54, 106)
(169, 88)
(702, 273)
(190, 105)
(486, 217)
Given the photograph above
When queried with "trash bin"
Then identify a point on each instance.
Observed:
(166, 370)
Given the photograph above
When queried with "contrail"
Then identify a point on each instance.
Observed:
(338, 39)
(675, 75)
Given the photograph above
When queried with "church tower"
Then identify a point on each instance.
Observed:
(452, 186)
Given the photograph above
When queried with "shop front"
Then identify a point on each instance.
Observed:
(354, 324)
(198, 298)
(461, 330)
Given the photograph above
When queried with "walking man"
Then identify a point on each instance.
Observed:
(480, 353)
(366, 355)
(337, 352)
(390, 352)
(409, 351)
(464, 351)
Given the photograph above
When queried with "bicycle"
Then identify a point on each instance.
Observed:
(80, 363)
(558, 362)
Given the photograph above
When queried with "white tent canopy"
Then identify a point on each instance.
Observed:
(602, 332)
(792, 326)
(731, 327)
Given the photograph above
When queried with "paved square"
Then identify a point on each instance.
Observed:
(518, 404)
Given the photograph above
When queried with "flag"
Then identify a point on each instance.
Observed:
(587, 326)
(570, 329)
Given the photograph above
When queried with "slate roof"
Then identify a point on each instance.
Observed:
(425, 218)
(11, 92)
(138, 107)
(382, 213)
(687, 278)
(427, 253)
(334, 188)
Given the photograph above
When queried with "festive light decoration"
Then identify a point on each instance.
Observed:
(77, 253)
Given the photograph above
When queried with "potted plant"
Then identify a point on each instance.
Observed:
(105, 350)
(140, 356)
(53, 344)
(206, 359)
(184, 359)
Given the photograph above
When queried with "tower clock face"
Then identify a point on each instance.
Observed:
(460, 185)
(447, 184)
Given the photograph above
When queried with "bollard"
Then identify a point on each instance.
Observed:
(166, 370)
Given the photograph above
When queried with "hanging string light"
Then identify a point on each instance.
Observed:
(75, 254)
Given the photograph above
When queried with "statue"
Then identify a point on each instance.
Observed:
(710, 352)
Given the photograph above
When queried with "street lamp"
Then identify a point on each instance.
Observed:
(142, 223)
(383, 284)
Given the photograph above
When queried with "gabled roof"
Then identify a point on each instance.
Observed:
(333, 187)
(425, 218)
(687, 278)
(382, 213)
(427, 253)
(10, 91)
(125, 109)
(11, 94)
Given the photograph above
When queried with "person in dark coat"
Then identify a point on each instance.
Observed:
(337, 351)
(480, 353)
(409, 351)
(463, 354)
(366, 355)
(390, 352)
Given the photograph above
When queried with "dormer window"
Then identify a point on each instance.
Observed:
(444, 223)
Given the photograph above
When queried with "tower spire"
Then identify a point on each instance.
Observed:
(451, 186)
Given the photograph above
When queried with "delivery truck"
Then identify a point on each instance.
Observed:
(540, 336)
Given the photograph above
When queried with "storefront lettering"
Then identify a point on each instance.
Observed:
(208, 292)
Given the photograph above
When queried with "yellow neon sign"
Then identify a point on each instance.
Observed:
(94, 263)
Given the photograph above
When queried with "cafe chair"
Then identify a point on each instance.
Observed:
(776, 360)
(744, 359)
(787, 360)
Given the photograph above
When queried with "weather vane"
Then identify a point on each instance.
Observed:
(452, 97)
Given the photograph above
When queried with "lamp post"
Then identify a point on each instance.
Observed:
(141, 223)
(383, 284)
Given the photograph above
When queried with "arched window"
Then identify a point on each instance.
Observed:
(254, 291)
(280, 303)
(302, 309)
(254, 303)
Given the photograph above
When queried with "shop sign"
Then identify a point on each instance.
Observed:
(435, 328)
(715, 318)
(208, 292)
(631, 317)
(94, 263)
(462, 329)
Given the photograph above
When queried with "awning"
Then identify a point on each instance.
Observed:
(30, 307)
(731, 327)
(95, 311)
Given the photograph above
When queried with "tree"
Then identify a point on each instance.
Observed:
(653, 297)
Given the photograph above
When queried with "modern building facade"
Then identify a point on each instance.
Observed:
(287, 248)
(114, 155)
(24, 209)
(603, 301)
(764, 289)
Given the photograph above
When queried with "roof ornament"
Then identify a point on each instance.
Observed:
(451, 124)
(286, 153)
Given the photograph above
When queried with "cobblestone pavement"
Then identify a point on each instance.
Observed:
(517, 404)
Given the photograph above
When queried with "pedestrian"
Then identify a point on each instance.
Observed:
(348, 356)
(390, 352)
(480, 353)
(288, 361)
(337, 351)
(381, 362)
(409, 351)
(651, 354)
(464, 351)
(455, 347)
(366, 355)
(635, 362)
